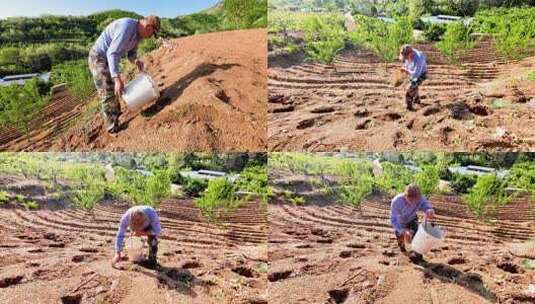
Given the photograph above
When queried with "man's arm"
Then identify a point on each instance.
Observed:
(123, 225)
(424, 205)
(154, 222)
(419, 66)
(394, 217)
(114, 51)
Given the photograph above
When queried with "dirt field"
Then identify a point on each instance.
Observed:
(213, 99)
(352, 104)
(62, 255)
(328, 253)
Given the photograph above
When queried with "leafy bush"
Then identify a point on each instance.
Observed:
(355, 182)
(31, 58)
(254, 179)
(219, 195)
(384, 38)
(427, 180)
(148, 45)
(455, 40)
(150, 190)
(522, 176)
(359, 189)
(513, 28)
(77, 76)
(394, 179)
(462, 183)
(434, 31)
(243, 14)
(19, 105)
(89, 187)
(487, 194)
(323, 37)
(193, 187)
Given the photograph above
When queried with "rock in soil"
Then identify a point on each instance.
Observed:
(9, 281)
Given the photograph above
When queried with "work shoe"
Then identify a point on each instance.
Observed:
(113, 130)
(415, 257)
(401, 245)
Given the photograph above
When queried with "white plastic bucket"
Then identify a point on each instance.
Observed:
(134, 247)
(140, 92)
(427, 237)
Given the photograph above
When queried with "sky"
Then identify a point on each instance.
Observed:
(162, 8)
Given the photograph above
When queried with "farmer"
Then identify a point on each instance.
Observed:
(415, 66)
(120, 38)
(142, 221)
(403, 216)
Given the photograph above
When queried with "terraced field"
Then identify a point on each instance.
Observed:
(352, 104)
(59, 115)
(329, 253)
(63, 255)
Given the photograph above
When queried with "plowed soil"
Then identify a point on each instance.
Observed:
(352, 104)
(329, 253)
(58, 116)
(62, 255)
(213, 98)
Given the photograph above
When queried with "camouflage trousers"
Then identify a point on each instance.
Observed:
(110, 107)
(412, 95)
(153, 248)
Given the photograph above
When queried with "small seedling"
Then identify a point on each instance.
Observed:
(262, 267)
(4, 198)
(31, 205)
(297, 200)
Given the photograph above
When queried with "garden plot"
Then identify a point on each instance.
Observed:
(351, 104)
(62, 255)
(323, 252)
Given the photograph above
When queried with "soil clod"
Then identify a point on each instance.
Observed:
(322, 109)
(9, 281)
(191, 265)
(509, 267)
(72, 299)
(243, 271)
(338, 296)
(279, 275)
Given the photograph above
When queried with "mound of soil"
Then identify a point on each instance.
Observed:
(213, 93)
(200, 262)
(481, 99)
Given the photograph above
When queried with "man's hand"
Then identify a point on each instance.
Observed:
(430, 214)
(404, 71)
(140, 233)
(407, 235)
(119, 86)
(140, 65)
(116, 258)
